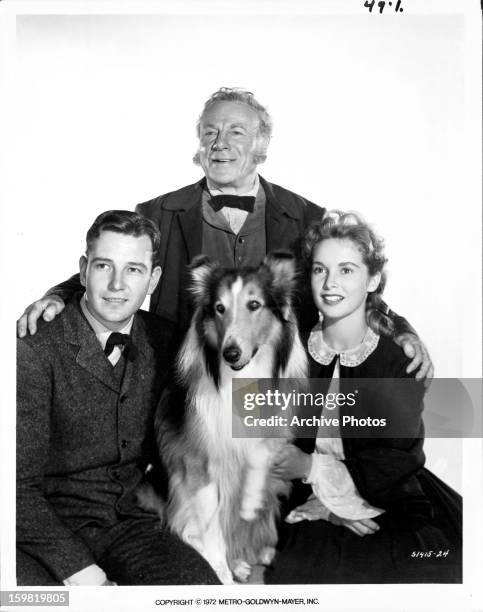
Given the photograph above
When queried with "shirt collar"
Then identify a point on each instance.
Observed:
(232, 219)
(251, 192)
(324, 354)
(101, 331)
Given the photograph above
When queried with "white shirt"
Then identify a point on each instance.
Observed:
(234, 216)
(103, 333)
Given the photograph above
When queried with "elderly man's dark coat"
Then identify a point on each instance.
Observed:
(84, 434)
(179, 217)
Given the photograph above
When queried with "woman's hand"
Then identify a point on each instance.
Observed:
(361, 527)
(312, 510)
(290, 462)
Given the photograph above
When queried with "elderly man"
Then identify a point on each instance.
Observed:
(232, 215)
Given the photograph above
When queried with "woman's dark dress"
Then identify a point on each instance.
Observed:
(423, 514)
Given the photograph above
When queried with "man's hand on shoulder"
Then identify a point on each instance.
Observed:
(48, 307)
(415, 350)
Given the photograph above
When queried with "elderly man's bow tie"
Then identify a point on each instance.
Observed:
(232, 201)
(117, 339)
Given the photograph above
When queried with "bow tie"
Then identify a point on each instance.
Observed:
(117, 339)
(232, 201)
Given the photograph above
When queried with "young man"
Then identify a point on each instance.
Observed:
(88, 384)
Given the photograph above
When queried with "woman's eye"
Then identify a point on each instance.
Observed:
(346, 270)
(253, 305)
(220, 308)
(317, 269)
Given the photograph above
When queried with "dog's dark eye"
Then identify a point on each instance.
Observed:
(253, 305)
(220, 308)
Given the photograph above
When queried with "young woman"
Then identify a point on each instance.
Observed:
(374, 513)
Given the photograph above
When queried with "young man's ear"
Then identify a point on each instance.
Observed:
(82, 269)
(374, 282)
(154, 280)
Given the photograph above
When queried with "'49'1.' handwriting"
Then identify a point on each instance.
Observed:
(370, 5)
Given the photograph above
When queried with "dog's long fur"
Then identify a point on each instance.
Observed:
(222, 500)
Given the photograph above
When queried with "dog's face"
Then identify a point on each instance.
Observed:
(238, 311)
(242, 321)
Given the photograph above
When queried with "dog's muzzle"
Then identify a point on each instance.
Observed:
(231, 354)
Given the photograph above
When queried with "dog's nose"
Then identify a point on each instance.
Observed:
(232, 353)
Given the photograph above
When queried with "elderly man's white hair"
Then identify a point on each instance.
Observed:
(238, 94)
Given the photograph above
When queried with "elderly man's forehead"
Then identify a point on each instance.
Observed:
(231, 111)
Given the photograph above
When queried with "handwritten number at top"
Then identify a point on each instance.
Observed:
(370, 5)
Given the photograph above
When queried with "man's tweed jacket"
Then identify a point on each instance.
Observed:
(83, 436)
(179, 217)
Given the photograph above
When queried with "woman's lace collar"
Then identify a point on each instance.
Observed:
(324, 354)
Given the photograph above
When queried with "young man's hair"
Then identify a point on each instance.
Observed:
(125, 222)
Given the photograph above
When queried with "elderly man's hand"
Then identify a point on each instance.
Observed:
(290, 462)
(49, 307)
(415, 350)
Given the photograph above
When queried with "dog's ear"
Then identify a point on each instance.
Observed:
(283, 270)
(200, 270)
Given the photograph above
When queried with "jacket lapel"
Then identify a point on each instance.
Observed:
(190, 221)
(279, 219)
(90, 355)
(140, 364)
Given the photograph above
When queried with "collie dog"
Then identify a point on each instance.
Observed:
(222, 499)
